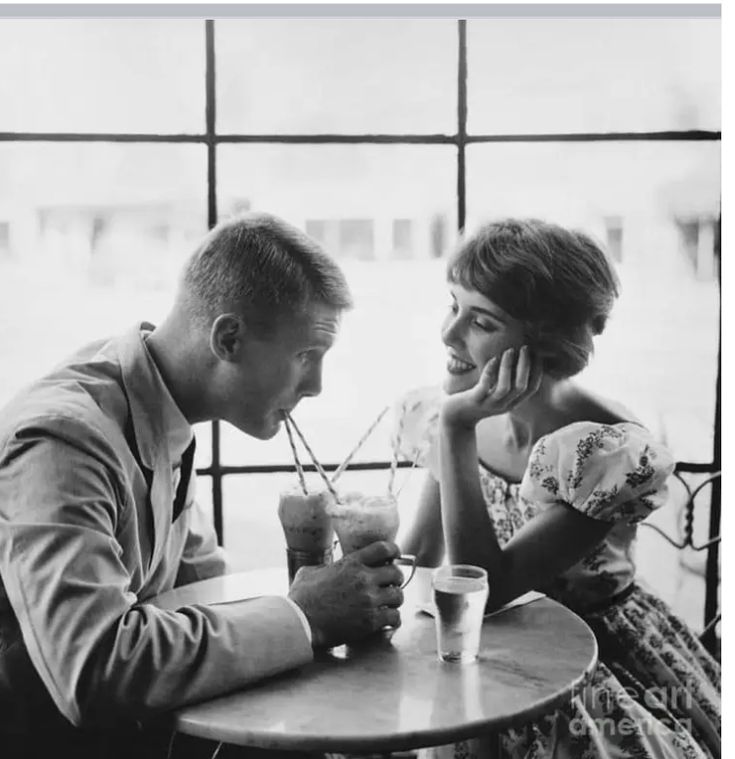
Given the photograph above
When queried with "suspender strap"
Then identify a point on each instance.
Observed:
(187, 467)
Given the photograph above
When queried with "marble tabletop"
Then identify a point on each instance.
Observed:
(392, 693)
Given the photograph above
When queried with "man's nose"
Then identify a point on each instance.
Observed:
(312, 383)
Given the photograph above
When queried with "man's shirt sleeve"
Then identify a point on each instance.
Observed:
(102, 655)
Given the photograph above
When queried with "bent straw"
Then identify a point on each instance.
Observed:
(359, 445)
(408, 476)
(299, 468)
(396, 446)
(317, 465)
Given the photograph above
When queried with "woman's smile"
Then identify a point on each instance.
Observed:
(456, 365)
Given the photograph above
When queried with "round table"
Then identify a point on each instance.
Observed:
(393, 693)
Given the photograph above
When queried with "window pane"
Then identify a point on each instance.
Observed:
(593, 75)
(349, 197)
(102, 76)
(96, 236)
(656, 205)
(336, 75)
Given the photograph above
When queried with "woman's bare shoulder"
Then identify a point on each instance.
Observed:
(582, 405)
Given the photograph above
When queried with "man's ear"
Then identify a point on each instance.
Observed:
(227, 337)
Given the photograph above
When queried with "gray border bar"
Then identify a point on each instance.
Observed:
(393, 10)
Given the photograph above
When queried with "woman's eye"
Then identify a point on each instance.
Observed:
(484, 326)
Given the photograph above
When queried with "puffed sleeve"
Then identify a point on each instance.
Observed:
(614, 473)
(415, 423)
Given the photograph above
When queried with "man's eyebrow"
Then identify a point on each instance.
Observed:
(320, 341)
(491, 314)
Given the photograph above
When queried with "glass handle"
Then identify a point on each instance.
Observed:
(407, 558)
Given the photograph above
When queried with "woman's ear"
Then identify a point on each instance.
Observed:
(227, 337)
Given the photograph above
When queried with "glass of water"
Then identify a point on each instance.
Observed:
(460, 595)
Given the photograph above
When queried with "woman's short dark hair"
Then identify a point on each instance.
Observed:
(259, 266)
(557, 281)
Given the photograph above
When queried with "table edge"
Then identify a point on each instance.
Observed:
(398, 741)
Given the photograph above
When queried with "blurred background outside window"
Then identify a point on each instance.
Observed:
(94, 232)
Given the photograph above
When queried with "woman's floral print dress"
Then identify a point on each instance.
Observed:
(656, 690)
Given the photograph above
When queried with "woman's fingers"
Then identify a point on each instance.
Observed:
(506, 374)
(519, 376)
(523, 370)
(508, 379)
(487, 379)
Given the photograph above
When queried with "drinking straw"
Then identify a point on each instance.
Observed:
(299, 468)
(408, 476)
(359, 445)
(317, 465)
(396, 446)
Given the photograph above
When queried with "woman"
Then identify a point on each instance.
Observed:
(542, 483)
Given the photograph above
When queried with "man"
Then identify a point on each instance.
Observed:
(96, 507)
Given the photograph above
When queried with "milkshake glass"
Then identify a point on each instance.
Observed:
(360, 519)
(307, 528)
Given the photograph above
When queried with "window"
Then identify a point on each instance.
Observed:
(356, 239)
(4, 238)
(545, 76)
(381, 138)
(402, 238)
(85, 75)
(331, 76)
(614, 237)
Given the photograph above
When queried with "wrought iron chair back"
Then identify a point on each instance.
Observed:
(686, 539)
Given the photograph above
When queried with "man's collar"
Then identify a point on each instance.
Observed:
(158, 423)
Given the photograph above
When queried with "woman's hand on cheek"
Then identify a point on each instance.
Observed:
(502, 385)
